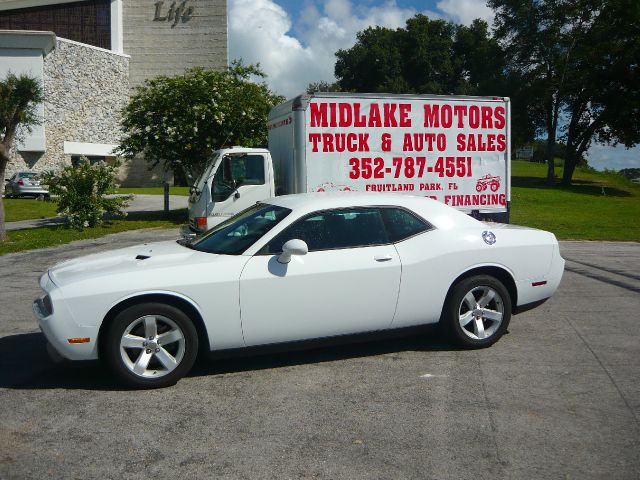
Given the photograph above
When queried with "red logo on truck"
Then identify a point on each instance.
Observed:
(488, 181)
(332, 187)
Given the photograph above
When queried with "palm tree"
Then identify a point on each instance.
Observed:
(19, 97)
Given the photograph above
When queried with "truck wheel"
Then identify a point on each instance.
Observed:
(477, 311)
(151, 345)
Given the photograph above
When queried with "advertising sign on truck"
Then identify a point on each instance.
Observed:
(441, 147)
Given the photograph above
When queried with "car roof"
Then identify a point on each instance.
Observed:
(436, 213)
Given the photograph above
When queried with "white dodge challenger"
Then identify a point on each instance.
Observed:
(291, 269)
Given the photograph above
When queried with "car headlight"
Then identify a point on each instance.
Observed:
(44, 306)
(47, 304)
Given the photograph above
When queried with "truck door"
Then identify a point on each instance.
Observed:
(238, 183)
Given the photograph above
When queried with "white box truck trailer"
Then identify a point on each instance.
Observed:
(455, 149)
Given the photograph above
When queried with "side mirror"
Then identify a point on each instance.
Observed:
(236, 195)
(293, 247)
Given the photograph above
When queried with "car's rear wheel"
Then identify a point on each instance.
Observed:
(477, 311)
(151, 345)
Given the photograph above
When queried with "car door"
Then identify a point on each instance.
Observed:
(347, 283)
(238, 183)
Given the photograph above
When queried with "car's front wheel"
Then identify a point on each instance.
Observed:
(151, 345)
(477, 311)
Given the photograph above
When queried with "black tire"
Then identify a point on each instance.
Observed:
(483, 328)
(122, 360)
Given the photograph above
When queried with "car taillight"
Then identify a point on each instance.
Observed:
(201, 222)
(21, 183)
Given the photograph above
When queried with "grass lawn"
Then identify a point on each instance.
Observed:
(16, 209)
(32, 238)
(184, 191)
(598, 206)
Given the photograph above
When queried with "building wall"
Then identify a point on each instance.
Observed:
(163, 43)
(85, 88)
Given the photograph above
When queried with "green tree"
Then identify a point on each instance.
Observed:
(322, 86)
(19, 97)
(428, 56)
(434, 57)
(374, 63)
(579, 63)
(179, 121)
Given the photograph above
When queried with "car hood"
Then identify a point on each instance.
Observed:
(146, 256)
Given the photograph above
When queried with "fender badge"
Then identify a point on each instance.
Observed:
(488, 237)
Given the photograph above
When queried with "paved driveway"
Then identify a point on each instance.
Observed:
(559, 397)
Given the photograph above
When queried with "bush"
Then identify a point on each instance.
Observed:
(81, 193)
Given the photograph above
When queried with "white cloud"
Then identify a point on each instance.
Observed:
(603, 157)
(260, 31)
(466, 11)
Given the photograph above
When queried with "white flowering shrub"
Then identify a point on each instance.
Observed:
(81, 193)
(179, 121)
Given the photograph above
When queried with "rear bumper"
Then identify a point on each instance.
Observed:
(534, 292)
(34, 191)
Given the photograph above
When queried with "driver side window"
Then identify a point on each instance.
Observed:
(235, 171)
(334, 229)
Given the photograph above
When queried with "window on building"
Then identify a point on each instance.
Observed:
(87, 22)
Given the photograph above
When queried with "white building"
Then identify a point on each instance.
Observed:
(88, 56)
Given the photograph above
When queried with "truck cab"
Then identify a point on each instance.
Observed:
(234, 179)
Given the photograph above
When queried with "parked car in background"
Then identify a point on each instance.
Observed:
(291, 269)
(24, 184)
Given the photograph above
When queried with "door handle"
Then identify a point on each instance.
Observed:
(382, 258)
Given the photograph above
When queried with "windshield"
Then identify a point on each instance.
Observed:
(199, 184)
(235, 235)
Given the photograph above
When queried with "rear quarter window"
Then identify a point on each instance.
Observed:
(402, 224)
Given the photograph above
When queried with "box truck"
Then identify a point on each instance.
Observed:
(455, 149)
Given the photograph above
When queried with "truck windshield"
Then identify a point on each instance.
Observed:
(235, 235)
(199, 184)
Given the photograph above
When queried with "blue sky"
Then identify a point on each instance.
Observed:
(295, 41)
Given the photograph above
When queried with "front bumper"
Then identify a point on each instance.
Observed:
(60, 330)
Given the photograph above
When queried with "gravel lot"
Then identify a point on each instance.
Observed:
(559, 397)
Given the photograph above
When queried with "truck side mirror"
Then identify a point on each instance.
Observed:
(293, 247)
